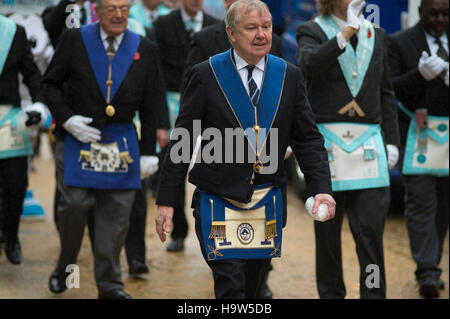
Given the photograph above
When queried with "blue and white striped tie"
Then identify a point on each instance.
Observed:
(252, 87)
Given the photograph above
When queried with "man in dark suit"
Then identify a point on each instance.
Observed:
(173, 36)
(419, 69)
(213, 40)
(226, 93)
(351, 92)
(15, 147)
(112, 73)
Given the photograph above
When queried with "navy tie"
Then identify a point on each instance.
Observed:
(252, 87)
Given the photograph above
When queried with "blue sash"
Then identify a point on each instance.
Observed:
(7, 32)
(359, 60)
(13, 143)
(99, 60)
(113, 163)
(427, 149)
(232, 232)
(239, 101)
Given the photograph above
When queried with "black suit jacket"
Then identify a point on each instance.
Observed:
(174, 43)
(19, 60)
(54, 19)
(405, 50)
(141, 90)
(213, 40)
(203, 100)
(328, 92)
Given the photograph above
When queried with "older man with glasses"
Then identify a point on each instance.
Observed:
(111, 73)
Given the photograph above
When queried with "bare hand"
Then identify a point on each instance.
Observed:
(163, 219)
(162, 137)
(326, 199)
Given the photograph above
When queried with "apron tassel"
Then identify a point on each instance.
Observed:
(271, 229)
(85, 155)
(218, 230)
(125, 157)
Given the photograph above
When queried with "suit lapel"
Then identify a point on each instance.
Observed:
(222, 38)
(419, 39)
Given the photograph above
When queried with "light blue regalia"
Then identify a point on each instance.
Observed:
(112, 163)
(230, 229)
(14, 139)
(137, 12)
(427, 149)
(356, 151)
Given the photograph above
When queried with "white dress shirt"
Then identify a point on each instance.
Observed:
(258, 72)
(151, 15)
(198, 19)
(433, 45)
(117, 40)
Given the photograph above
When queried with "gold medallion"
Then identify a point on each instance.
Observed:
(110, 110)
(257, 166)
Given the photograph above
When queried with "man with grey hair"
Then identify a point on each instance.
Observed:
(240, 207)
(112, 73)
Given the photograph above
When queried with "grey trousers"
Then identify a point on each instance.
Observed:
(112, 210)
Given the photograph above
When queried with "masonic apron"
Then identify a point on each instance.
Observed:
(356, 151)
(231, 229)
(113, 162)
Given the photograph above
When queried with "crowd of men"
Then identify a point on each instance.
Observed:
(124, 76)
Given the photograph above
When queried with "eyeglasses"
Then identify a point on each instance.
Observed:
(111, 10)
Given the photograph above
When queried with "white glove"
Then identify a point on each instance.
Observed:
(430, 67)
(392, 154)
(322, 213)
(149, 166)
(77, 125)
(354, 16)
(446, 78)
(41, 109)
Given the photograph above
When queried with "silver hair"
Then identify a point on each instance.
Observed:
(99, 4)
(233, 14)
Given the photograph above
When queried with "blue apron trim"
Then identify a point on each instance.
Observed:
(82, 169)
(212, 210)
(349, 148)
(7, 32)
(99, 60)
(15, 150)
(361, 57)
(239, 101)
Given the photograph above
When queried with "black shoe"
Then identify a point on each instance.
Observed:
(114, 294)
(57, 282)
(441, 284)
(137, 268)
(13, 251)
(265, 292)
(429, 288)
(176, 245)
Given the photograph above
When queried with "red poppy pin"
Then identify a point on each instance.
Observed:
(137, 56)
(369, 34)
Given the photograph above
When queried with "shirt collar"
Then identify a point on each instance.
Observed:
(430, 38)
(241, 63)
(117, 39)
(198, 17)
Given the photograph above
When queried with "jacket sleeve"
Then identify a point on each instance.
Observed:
(315, 56)
(173, 173)
(308, 144)
(55, 77)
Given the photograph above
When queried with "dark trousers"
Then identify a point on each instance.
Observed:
(367, 211)
(235, 279)
(427, 218)
(135, 241)
(14, 182)
(112, 210)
